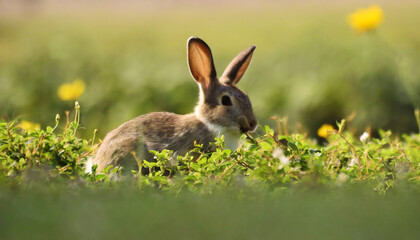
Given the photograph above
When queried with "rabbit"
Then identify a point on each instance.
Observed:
(221, 109)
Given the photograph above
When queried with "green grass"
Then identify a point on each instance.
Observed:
(272, 161)
(68, 213)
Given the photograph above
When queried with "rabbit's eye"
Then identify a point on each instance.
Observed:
(226, 101)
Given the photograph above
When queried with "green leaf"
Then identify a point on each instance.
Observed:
(292, 146)
(268, 130)
(266, 146)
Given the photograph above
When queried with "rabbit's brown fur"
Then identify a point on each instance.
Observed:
(164, 131)
(221, 109)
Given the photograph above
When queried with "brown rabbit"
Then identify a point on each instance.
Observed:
(222, 109)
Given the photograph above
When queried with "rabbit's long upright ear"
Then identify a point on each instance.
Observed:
(201, 62)
(237, 67)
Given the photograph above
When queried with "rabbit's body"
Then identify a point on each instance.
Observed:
(221, 109)
(154, 131)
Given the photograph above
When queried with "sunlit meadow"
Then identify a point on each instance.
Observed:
(334, 86)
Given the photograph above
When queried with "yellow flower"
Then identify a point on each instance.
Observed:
(367, 19)
(71, 91)
(325, 130)
(29, 125)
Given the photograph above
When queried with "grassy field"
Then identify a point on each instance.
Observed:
(310, 68)
(352, 213)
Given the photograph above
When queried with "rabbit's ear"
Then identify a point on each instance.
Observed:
(237, 67)
(200, 61)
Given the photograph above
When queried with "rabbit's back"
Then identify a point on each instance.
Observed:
(153, 131)
(163, 130)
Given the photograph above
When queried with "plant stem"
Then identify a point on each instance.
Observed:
(351, 146)
(404, 154)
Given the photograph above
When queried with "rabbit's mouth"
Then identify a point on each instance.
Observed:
(245, 130)
(246, 125)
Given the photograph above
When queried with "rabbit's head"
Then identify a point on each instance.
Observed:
(222, 105)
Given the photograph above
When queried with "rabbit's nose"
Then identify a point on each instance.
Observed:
(246, 125)
(253, 124)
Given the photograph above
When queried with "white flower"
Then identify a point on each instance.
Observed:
(342, 178)
(353, 162)
(279, 154)
(364, 137)
(284, 160)
(11, 173)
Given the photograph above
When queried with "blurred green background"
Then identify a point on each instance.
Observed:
(126, 213)
(309, 64)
